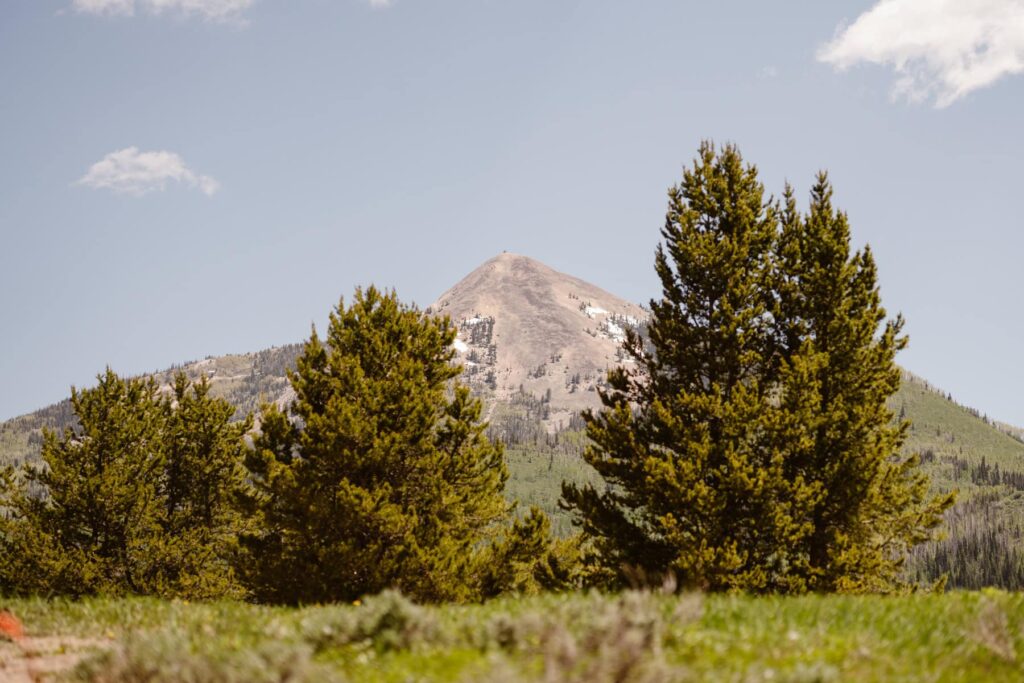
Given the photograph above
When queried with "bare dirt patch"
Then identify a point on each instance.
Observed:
(44, 659)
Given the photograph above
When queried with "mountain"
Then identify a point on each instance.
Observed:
(245, 380)
(536, 343)
(527, 328)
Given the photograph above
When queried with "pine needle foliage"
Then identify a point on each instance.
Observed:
(750, 446)
(379, 474)
(874, 506)
(139, 499)
(527, 560)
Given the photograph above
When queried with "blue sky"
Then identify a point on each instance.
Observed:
(182, 178)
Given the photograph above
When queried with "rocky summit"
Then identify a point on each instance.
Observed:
(527, 328)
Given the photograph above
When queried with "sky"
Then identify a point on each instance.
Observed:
(184, 178)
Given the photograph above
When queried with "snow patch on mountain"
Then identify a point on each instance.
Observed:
(613, 330)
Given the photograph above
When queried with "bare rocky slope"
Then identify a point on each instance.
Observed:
(527, 328)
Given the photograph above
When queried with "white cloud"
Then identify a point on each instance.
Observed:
(122, 7)
(129, 171)
(940, 49)
(214, 10)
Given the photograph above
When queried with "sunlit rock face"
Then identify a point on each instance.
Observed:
(524, 326)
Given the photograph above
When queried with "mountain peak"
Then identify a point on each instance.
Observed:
(508, 264)
(510, 256)
(524, 326)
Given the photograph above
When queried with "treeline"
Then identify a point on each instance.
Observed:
(983, 474)
(378, 475)
(266, 376)
(983, 547)
(746, 446)
(983, 542)
(59, 416)
(525, 421)
(979, 474)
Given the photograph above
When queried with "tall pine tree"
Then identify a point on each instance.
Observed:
(873, 504)
(679, 442)
(200, 492)
(379, 475)
(744, 450)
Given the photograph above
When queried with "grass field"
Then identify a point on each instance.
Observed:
(629, 637)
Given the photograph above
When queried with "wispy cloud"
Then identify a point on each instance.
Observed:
(129, 171)
(212, 10)
(112, 7)
(940, 49)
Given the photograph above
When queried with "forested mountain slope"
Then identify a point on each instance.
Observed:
(244, 379)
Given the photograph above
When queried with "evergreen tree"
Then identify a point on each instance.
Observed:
(134, 500)
(200, 488)
(527, 560)
(678, 439)
(380, 475)
(745, 450)
(873, 504)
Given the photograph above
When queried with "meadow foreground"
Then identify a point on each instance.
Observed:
(576, 637)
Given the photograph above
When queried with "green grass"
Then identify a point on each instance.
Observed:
(576, 637)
